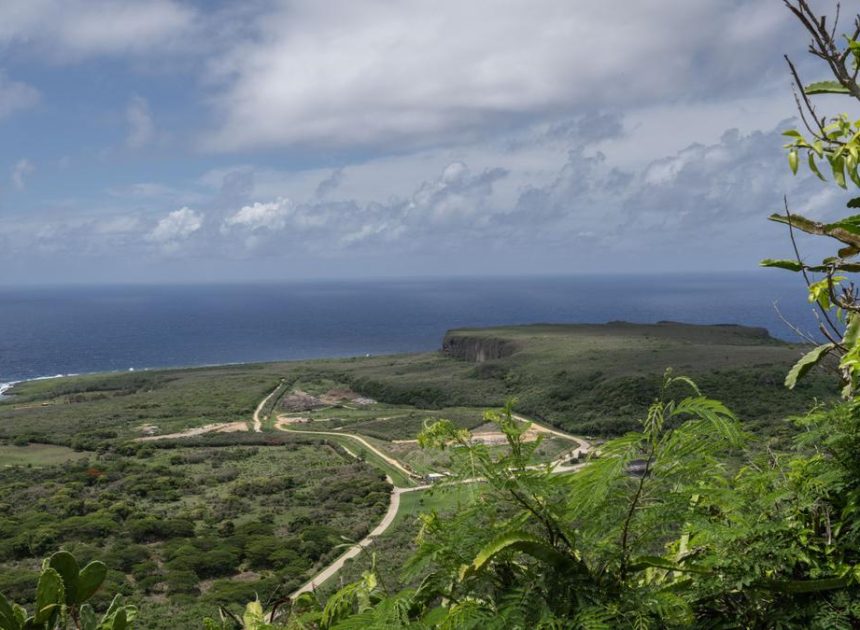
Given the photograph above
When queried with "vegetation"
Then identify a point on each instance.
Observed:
(187, 528)
(590, 379)
(689, 518)
(688, 521)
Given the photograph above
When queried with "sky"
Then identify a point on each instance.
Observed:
(180, 141)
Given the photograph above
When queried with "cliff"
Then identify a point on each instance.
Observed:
(477, 348)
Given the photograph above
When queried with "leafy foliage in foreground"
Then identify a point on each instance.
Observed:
(62, 596)
(710, 531)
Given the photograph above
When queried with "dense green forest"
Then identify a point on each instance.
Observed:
(721, 493)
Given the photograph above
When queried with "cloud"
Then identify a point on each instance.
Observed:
(330, 183)
(175, 228)
(15, 96)
(269, 216)
(456, 195)
(702, 207)
(22, 169)
(70, 29)
(141, 128)
(705, 205)
(345, 74)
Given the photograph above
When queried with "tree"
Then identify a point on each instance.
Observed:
(833, 140)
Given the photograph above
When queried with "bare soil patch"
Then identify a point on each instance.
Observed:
(224, 427)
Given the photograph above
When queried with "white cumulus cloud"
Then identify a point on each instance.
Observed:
(176, 227)
(271, 215)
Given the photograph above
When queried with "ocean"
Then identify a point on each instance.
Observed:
(72, 330)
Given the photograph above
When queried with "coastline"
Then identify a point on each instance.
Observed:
(8, 385)
(5, 387)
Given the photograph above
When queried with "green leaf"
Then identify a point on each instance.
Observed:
(837, 164)
(49, 594)
(656, 562)
(120, 620)
(517, 541)
(791, 265)
(253, 615)
(806, 363)
(826, 87)
(799, 222)
(852, 331)
(847, 230)
(854, 203)
(808, 586)
(792, 161)
(8, 620)
(814, 167)
(434, 617)
(115, 605)
(89, 621)
(90, 579)
(849, 224)
(65, 564)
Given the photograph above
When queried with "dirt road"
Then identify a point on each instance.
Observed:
(224, 427)
(258, 424)
(389, 460)
(556, 466)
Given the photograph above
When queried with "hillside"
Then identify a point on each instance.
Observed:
(592, 379)
(181, 446)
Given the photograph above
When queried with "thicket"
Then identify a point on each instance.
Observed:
(179, 524)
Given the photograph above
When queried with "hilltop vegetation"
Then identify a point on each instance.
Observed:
(594, 379)
(590, 379)
(189, 524)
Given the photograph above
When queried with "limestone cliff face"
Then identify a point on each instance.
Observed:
(477, 348)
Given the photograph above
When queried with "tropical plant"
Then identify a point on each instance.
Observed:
(62, 593)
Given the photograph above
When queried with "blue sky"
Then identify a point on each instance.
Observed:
(177, 141)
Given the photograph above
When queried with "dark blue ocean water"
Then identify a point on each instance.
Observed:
(48, 331)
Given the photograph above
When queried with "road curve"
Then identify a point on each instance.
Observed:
(584, 445)
(556, 466)
(390, 460)
(357, 548)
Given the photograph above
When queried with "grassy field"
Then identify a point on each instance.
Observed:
(38, 455)
(590, 379)
(584, 378)
(87, 411)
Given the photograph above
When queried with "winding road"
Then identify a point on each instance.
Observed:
(388, 459)
(558, 465)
